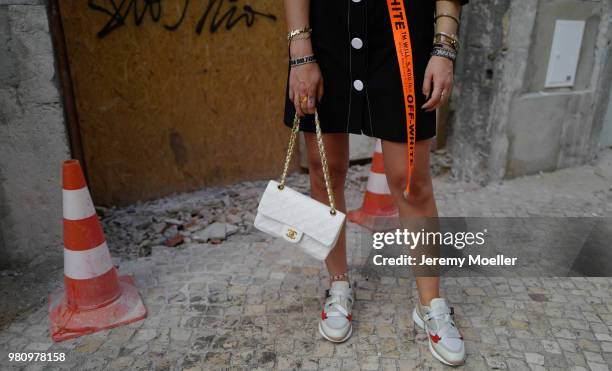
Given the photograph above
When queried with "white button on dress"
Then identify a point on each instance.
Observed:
(357, 43)
(358, 85)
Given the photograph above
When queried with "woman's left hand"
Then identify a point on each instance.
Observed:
(439, 74)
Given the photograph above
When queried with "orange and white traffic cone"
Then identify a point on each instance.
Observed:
(378, 210)
(95, 298)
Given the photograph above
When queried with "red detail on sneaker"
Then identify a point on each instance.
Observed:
(434, 338)
(323, 315)
(350, 317)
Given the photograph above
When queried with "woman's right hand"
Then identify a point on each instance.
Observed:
(305, 81)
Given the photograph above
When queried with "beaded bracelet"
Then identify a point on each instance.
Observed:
(444, 53)
(302, 60)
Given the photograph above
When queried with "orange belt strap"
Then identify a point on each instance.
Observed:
(403, 48)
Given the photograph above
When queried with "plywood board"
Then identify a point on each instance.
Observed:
(174, 95)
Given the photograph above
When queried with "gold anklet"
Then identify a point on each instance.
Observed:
(339, 277)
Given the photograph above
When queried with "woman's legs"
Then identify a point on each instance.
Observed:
(336, 318)
(432, 313)
(337, 150)
(420, 202)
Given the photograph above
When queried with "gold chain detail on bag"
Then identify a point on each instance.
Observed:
(292, 137)
(326, 176)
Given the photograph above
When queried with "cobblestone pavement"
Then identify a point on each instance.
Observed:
(223, 295)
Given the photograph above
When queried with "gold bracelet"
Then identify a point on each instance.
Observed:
(301, 36)
(453, 37)
(451, 40)
(445, 43)
(292, 34)
(447, 15)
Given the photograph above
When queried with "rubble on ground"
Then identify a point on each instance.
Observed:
(211, 215)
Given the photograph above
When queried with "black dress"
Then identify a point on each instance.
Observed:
(353, 43)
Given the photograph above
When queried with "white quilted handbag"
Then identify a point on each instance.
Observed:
(299, 219)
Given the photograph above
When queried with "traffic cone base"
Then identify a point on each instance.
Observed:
(68, 323)
(94, 297)
(375, 223)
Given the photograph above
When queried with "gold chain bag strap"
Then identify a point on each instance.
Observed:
(295, 217)
(294, 132)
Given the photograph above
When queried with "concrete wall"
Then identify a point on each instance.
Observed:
(505, 123)
(33, 140)
(606, 135)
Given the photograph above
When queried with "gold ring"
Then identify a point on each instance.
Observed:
(304, 99)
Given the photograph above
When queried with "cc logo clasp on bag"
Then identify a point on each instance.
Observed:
(291, 234)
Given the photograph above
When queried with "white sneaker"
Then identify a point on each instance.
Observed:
(336, 318)
(445, 341)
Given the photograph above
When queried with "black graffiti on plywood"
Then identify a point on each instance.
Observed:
(216, 14)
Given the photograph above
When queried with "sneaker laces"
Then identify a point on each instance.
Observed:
(444, 324)
(336, 305)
